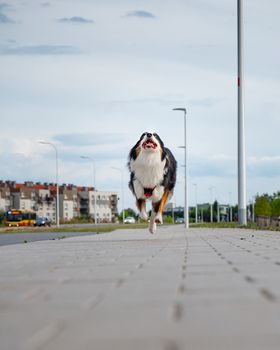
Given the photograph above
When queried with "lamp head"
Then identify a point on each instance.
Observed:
(180, 109)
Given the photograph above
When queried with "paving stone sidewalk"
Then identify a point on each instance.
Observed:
(129, 290)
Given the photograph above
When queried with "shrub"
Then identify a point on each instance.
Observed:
(2, 217)
(168, 219)
(275, 207)
(263, 206)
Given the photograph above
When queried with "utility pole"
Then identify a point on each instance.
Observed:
(242, 213)
(186, 211)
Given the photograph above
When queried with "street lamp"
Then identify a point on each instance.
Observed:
(121, 171)
(94, 184)
(195, 186)
(242, 215)
(230, 206)
(186, 166)
(57, 186)
(211, 203)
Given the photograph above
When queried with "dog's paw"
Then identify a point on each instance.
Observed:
(143, 215)
(153, 225)
(158, 218)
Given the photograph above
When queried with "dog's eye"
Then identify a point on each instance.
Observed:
(144, 134)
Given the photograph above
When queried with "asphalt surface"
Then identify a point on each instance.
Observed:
(204, 289)
(20, 238)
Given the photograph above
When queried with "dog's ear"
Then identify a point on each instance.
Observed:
(159, 139)
(163, 154)
(133, 153)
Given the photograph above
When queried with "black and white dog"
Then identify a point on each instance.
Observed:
(152, 176)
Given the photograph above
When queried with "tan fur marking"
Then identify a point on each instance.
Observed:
(138, 150)
(141, 204)
(163, 201)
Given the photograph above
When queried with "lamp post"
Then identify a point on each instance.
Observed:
(211, 203)
(230, 207)
(121, 171)
(94, 184)
(57, 186)
(253, 210)
(195, 186)
(242, 215)
(186, 213)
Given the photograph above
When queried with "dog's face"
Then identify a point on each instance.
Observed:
(150, 142)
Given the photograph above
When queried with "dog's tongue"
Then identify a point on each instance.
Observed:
(150, 144)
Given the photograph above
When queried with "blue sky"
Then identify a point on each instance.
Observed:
(91, 76)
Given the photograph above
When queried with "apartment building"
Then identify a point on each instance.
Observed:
(46, 200)
(104, 204)
(5, 196)
(74, 201)
(101, 206)
(68, 202)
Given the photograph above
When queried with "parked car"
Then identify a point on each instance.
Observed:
(129, 220)
(179, 221)
(42, 221)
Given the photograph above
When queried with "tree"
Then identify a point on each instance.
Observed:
(275, 207)
(2, 216)
(127, 212)
(263, 206)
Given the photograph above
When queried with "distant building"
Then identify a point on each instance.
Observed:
(99, 205)
(68, 202)
(46, 201)
(74, 201)
(5, 196)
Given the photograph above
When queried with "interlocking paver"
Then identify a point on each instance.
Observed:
(204, 289)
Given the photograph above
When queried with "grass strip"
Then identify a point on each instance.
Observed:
(93, 228)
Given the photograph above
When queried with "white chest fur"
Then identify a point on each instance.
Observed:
(148, 168)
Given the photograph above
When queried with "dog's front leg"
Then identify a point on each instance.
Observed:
(156, 211)
(153, 225)
(159, 207)
(141, 205)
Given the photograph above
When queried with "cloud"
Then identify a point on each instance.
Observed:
(89, 139)
(205, 102)
(46, 4)
(140, 14)
(267, 166)
(4, 5)
(39, 50)
(226, 166)
(3, 18)
(217, 165)
(75, 19)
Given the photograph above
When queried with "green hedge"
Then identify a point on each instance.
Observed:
(275, 207)
(263, 206)
(266, 205)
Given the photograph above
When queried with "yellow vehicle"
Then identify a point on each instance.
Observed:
(17, 217)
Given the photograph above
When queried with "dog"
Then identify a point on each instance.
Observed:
(152, 169)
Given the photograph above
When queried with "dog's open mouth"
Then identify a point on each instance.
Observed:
(149, 144)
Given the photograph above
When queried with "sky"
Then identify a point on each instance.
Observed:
(91, 76)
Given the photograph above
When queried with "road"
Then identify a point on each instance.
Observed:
(17, 238)
(207, 289)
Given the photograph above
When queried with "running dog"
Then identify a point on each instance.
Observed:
(152, 169)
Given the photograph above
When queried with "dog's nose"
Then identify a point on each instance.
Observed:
(149, 135)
